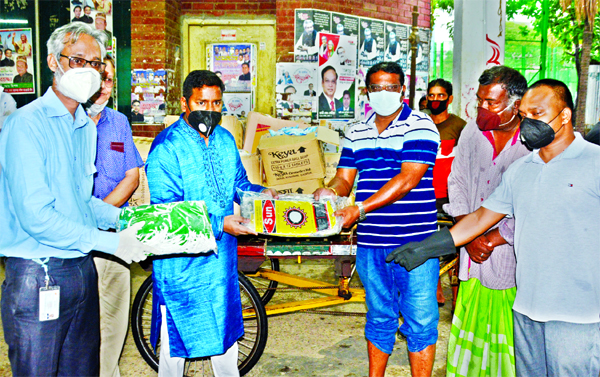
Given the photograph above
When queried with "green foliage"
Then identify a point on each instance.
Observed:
(565, 29)
(445, 6)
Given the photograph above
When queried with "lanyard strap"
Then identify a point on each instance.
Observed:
(44, 264)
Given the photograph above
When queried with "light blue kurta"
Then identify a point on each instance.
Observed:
(201, 293)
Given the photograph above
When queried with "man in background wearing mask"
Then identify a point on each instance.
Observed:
(117, 177)
(554, 196)
(439, 97)
(395, 204)
(49, 220)
(487, 265)
(195, 159)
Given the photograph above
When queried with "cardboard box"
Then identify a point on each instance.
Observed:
(259, 124)
(141, 195)
(331, 163)
(253, 168)
(288, 159)
(302, 187)
(234, 126)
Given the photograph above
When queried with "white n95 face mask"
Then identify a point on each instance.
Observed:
(385, 103)
(78, 83)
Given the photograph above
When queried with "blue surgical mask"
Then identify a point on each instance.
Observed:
(385, 103)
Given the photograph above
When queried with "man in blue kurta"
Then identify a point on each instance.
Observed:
(199, 298)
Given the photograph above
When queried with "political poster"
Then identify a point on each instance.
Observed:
(397, 44)
(337, 71)
(234, 64)
(423, 52)
(372, 42)
(343, 24)
(238, 104)
(308, 23)
(98, 14)
(148, 90)
(16, 61)
(296, 91)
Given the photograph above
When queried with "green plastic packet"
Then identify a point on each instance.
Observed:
(172, 228)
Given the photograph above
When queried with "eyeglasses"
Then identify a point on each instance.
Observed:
(387, 88)
(76, 62)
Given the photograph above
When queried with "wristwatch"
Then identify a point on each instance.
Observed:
(361, 209)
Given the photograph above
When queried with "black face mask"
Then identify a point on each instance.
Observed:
(437, 107)
(204, 121)
(537, 134)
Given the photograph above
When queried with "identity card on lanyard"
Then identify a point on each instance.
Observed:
(49, 296)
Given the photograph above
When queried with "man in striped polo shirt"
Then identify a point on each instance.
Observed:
(393, 152)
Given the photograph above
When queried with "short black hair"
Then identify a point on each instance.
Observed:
(328, 68)
(87, 6)
(8, 49)
(199, 78)
(511, 80)
(389, 67)
(346, 92)
(560, 89)
(246, 64)
(134, 101)
(424, 98)
(290, 86)
(76, 7)
(442, 84)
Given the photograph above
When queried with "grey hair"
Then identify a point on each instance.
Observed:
(70, 33)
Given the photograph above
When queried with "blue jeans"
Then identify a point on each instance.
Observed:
(67, 346)
(391, 290)
(556, 348)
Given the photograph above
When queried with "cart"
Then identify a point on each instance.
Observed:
(259, 278)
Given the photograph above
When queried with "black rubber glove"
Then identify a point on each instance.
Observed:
(414, 254)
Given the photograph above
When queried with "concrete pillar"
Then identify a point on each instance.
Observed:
(479, 31)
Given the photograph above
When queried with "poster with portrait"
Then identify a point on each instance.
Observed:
(337, 71)
(16, 61)
(372, 42)
(96, 13)
(423, 52)
(308, 22)
(343, 24)
(296, 91)
(397, 46)
(148, 91)
(238, 104)
(234, 64)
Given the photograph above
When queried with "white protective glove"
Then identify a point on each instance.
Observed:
(130, 249)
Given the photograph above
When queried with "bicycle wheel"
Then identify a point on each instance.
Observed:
(265, 287)
(251, 345)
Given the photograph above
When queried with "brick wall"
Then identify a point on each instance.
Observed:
(155, 36)
(217, 8)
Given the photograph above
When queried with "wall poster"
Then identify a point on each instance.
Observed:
(372, 40)
(337, 74)
(97, 13)
(148, 91)
(308, 23)
(16, 61)
(296, 91)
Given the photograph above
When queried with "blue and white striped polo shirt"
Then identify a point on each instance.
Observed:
(412, 137)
